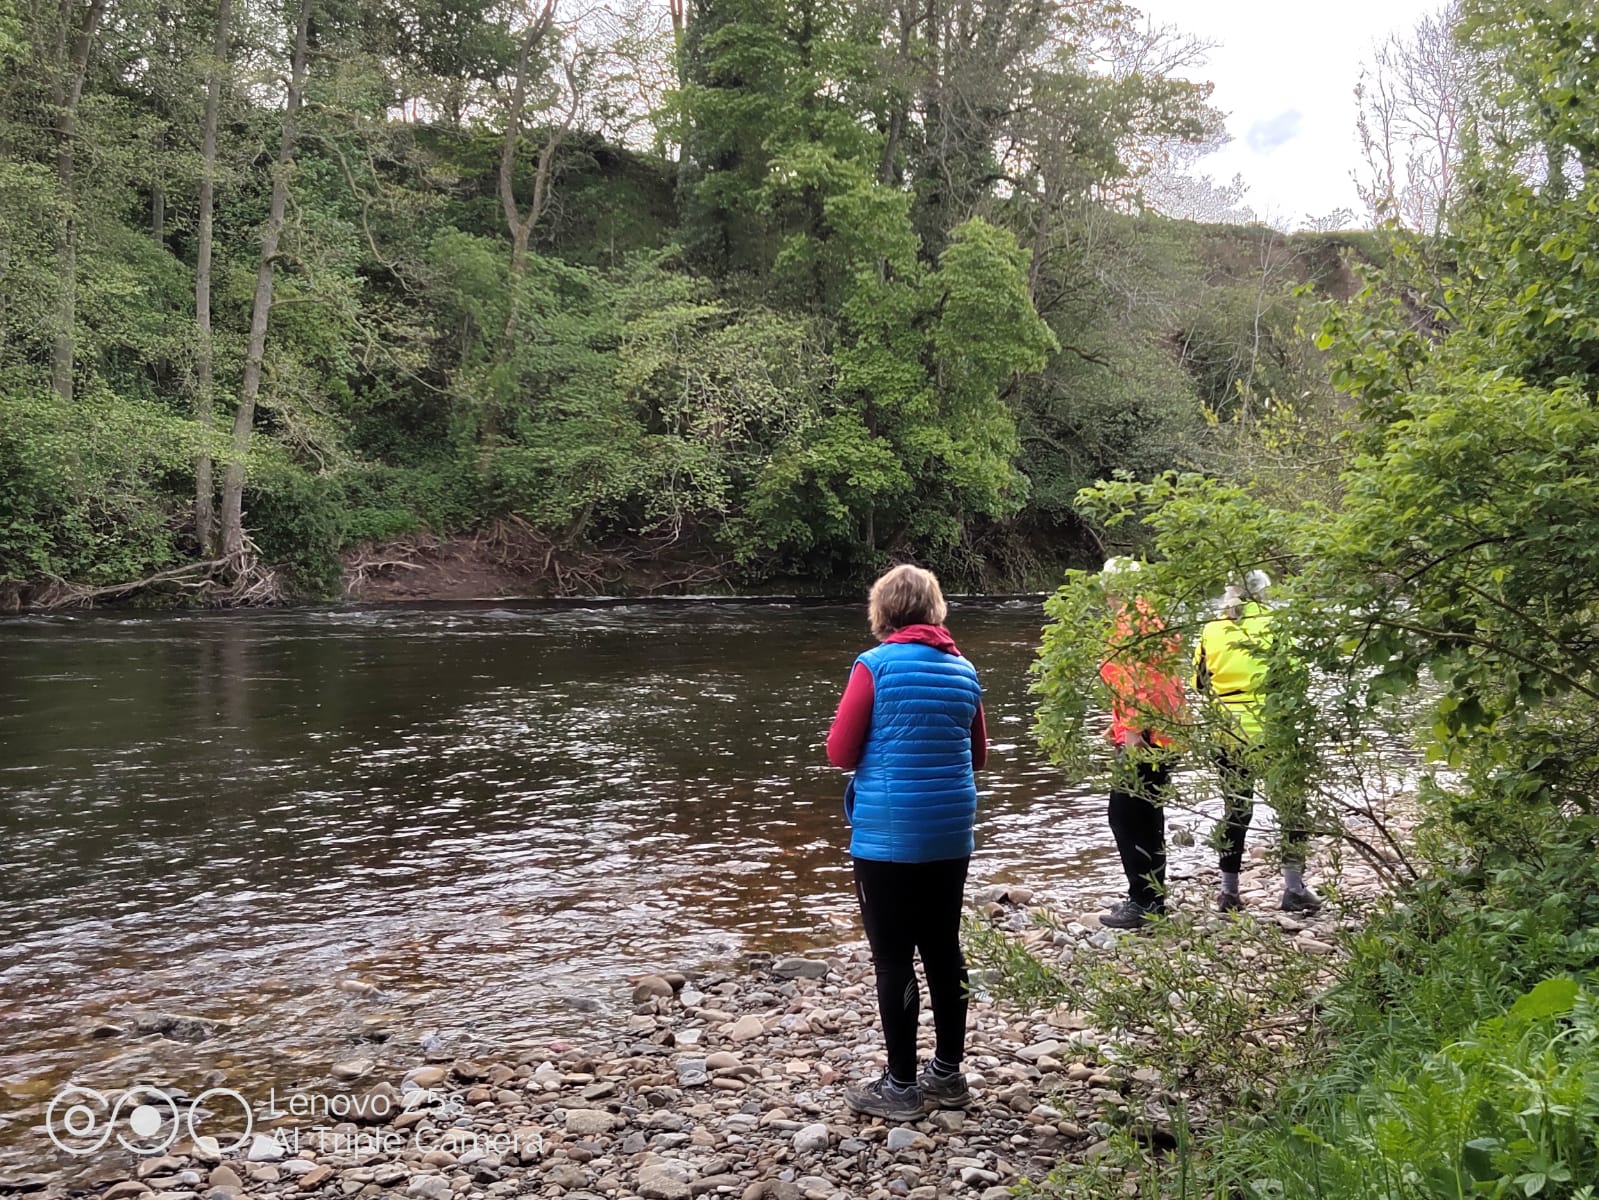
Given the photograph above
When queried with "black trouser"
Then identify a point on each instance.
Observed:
(1238, 791)
(1138, 823)
(910, 907)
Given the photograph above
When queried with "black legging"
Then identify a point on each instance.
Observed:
(910, 907)
(1138, 823)
(1238, 791)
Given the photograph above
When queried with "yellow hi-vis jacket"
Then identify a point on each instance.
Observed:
(1227, 665)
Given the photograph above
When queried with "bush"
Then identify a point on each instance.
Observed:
(389, 502)
(83, 487)
(298, 522)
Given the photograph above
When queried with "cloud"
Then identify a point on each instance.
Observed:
(1265, 136)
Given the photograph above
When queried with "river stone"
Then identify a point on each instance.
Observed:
(177, 1026)
(352, 1069)
(773, 1189)
(315, 1177)
(264, 1149)
(691, 1072)
(206, 1150)
(165, 1165)
(566, 1176)
(649, 987)
(379, 1103)
(589, 1122)
(800, 968)
(429, 1187)
(902, 1137)
(125, 1190)
(664, 1181)
(427, 1077)
(811, 1138)
(225, 1177)
(1039, 1050)
(746, 1027)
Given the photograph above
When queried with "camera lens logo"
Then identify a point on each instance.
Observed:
(224, 1100)
(143, 1120)
(78, 1120)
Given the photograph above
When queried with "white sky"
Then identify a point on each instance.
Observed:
(1285, 73)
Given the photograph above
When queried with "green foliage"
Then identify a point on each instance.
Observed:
(1192, 1000)
(79, 486)
(389, 502)
(811, 343)
(1466, 1056)
(1449, 574)
(299, 523)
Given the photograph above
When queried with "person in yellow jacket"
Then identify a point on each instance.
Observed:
(1230, 670)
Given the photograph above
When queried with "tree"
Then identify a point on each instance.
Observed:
(520, 222)
(76, 36)
(1413, 100)
(204, 357)
(233, 540)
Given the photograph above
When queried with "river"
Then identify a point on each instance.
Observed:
(493, 814)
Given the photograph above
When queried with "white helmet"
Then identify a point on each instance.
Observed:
(1120, 565)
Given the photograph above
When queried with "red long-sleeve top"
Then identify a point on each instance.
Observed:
(846, 739)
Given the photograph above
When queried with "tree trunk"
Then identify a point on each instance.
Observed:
(890, 173)
(68, 92)
(233, 546)
(204, 399)
(521, 227)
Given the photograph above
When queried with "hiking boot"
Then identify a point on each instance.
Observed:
(885, 1098)
(1227, 902)
(1129, 914)
(945, 1091)
(1300, 900)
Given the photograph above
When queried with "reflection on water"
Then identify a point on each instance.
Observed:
(486, 812)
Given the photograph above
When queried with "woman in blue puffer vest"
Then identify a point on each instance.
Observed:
(911, 726)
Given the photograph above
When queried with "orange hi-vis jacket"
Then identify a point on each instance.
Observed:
(1146, 697)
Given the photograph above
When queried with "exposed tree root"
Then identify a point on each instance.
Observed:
(236, 581)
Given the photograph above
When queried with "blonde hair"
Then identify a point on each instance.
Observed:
(906, 595)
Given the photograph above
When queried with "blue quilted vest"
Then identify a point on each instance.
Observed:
(914, 798)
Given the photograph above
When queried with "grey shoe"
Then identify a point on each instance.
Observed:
(1228, 901)
(885, 1098)
(1129, 914)
(945, 1091)
(1300, 900)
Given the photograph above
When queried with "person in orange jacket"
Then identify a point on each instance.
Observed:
(1146, 707)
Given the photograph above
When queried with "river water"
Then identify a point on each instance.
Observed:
(492, 814)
